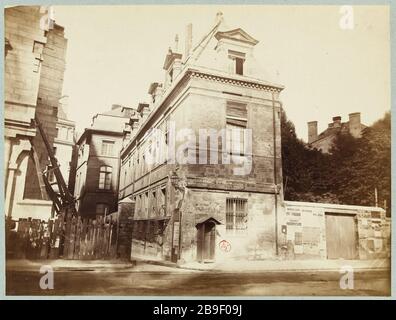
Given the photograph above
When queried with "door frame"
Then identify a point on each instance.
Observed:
(202, 240)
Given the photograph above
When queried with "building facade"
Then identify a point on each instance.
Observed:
(96, 180)
(194, 204)
(324, 141)
(64, 143)
(34, 66)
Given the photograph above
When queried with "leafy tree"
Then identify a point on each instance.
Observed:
(348, 175)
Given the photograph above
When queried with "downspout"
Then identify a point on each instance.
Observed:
(275, 175)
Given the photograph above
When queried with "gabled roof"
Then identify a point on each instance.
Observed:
(333, 131)
(236, 35)
(206, 219)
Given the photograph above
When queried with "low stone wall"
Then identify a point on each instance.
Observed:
(303, 230)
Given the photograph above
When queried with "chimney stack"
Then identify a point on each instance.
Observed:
(337, 122)
(188, 43)
(176, 43)
(312, 131)
(355, 127)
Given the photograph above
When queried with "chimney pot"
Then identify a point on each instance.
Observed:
(337, 118)
(337, 121)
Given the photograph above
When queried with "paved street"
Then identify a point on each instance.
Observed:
(161, 280)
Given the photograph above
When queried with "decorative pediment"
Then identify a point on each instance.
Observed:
(206, 220)
(236, 35)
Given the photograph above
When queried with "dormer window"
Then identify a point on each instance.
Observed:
(238, 59)
(172, 65)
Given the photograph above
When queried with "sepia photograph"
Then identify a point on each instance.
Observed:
(223, 150)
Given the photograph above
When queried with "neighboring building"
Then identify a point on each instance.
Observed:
(96, 181)
(203, 212)
(332, 231)
(34, 67)
(64, 143)
(324, 141)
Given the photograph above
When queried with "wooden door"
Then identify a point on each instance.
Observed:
(209, 241)
(206, 241)
(341, 237)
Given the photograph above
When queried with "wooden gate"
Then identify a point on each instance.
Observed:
(341, 236)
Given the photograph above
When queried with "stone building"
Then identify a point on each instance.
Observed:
(96, 181)
(324, 140)
(34, 66)
(215, 197)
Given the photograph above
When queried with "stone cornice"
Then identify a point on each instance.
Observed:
(203, 73)
(247, 83)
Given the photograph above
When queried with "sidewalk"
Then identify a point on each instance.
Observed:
(142, 265)
(89, 265)
(291, 265)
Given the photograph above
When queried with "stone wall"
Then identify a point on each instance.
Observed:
(24, 44)
(305, 230)
(50, 91)
(256, 242)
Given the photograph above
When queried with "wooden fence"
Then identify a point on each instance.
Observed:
(63, 237)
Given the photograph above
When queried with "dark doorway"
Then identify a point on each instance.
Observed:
(206, 241)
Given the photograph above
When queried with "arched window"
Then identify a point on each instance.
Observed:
(105, 177)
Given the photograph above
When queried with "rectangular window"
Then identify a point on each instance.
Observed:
(146, 204)
(236, 215)
(162, 203)
(107, 148)
(236, 123)
(105, 174)
(153, 204)
(238, 59)
(239, 66)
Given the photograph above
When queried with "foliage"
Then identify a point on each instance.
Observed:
(348, 175)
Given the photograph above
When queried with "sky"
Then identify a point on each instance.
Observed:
(115, 52)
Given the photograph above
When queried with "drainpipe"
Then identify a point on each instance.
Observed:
(275, 175)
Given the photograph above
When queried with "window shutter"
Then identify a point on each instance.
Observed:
(237, 110)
